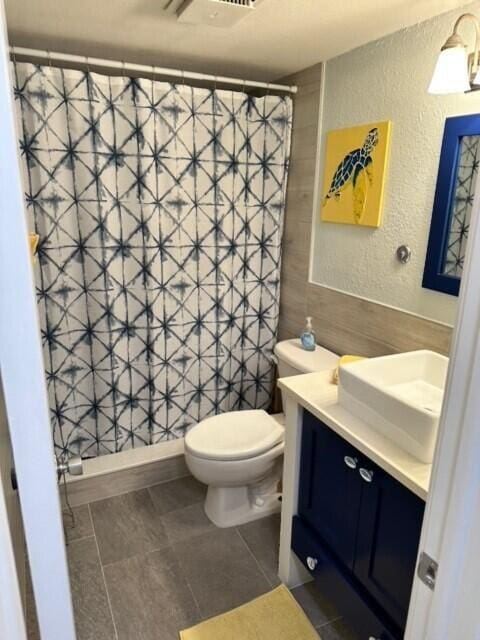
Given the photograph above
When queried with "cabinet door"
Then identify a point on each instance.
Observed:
(330, 490)
(387, 543)
(339, 586)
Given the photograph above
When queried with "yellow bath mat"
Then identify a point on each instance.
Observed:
(274, 616)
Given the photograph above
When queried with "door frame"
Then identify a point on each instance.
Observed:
(24, 385)
(451, 527)
(12, 623)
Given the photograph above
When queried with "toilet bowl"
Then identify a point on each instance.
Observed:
(238, 454)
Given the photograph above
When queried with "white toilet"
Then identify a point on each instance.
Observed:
(238, 454)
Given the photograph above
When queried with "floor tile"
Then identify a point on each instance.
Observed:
(338, 630)
(176, 494)
(263, 538)
(81, 525)
(186, 523)
(318, 609)
(127, 525)
(93, 619)
(220, 570)
(150, 597)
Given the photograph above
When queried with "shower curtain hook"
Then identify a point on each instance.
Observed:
(244, 87)
(123, 69)
(215, 83)
(87, 64)
(268, 89)
(14, 59)
(49, 58)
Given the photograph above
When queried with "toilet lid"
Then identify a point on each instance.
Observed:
(235, 435)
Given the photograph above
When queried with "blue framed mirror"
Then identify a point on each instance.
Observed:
(457, 173)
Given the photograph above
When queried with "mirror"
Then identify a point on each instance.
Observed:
(457, 175)
(461, 206)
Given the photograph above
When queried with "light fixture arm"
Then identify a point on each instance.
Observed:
(455, 39)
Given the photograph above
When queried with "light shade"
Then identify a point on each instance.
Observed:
(451, 72)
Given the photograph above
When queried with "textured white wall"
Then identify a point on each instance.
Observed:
(388, 80)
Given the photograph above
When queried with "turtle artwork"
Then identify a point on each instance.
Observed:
(354, 174)
(355, 168)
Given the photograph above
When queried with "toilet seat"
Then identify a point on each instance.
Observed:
(235, 435)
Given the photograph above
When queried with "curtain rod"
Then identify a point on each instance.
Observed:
(145, 69)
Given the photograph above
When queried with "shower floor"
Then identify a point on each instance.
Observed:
(146, 564)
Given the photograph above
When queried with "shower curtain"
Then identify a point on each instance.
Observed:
(160, 211)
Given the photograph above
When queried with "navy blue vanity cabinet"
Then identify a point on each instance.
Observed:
(387, 540)
(362, 529)
(329, 497)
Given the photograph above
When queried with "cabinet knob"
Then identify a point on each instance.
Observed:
(366, 474)
(350, 462)
(312, 563)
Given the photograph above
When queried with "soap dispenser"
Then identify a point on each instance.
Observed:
(308, 337)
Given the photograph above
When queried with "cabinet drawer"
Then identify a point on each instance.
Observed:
(336, 583)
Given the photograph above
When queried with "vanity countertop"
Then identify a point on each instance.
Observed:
(316, 393)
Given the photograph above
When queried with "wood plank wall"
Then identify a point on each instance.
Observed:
(343, 323)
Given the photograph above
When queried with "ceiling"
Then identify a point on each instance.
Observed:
(278, 38)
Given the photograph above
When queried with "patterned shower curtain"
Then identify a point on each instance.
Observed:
(160, 212)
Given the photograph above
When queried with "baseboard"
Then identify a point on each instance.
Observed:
(90, 488)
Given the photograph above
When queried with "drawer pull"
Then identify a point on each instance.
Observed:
(312, 563)
(350, 462)
(366, 475)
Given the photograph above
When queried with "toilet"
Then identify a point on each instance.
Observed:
(238, 454)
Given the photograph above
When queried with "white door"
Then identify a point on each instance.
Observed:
(12, 562)
(451, 530)
(26, 405)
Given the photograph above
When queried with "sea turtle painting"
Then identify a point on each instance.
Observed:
(355, 169)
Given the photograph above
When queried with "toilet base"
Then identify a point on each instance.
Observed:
(231, 506)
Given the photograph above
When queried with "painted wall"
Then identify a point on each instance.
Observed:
(344, 323)
(388, 80)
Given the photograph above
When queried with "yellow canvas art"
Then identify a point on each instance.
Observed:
(355, 170)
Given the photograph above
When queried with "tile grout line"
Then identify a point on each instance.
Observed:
(325, 624)
(171, 545)
(135, 555)
(89, 535)
(168, 544)
(141, 553)
(103, 575)
(185, 575)
(255, 558)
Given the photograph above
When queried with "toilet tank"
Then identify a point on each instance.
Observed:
(293, 360)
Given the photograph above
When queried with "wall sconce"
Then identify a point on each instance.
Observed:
(456, 71)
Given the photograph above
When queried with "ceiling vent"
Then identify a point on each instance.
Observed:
(216, 13)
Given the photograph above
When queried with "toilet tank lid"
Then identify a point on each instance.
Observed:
(293, 354)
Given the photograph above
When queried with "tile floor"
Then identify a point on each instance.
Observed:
(146, 564)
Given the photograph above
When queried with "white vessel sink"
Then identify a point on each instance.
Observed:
(400, 396)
